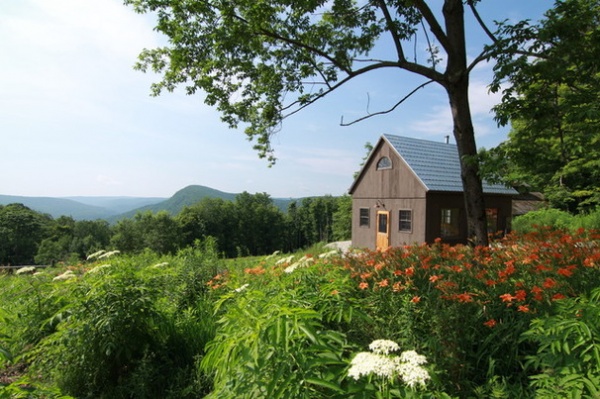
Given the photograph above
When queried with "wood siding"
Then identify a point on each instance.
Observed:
(393, 190)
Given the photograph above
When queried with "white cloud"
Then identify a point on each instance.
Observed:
(108, 181)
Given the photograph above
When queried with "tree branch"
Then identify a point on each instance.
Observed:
(390, 24)
(434, 25)
(388, 110)
(480, 21)
(340, 83)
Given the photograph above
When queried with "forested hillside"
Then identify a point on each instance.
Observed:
(248, 224)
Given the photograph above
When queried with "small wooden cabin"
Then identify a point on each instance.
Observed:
(410, 190)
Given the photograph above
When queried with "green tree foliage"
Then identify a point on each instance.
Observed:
(250, 225)
(311, 222)
(68, 238)
(553, 104)
(158, 232)
(211, 217)
(260, 224)
(261, 61)
(21, 232)
(342, 219)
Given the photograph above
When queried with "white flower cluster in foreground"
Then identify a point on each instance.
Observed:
(380, 363)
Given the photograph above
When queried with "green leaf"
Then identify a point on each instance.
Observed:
(324, 384)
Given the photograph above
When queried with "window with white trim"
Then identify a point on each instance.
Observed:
(384, 163)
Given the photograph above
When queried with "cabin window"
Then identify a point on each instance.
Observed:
(364, 217)
(449, 226)
(384, 163)
(491, 215)
(405, 220)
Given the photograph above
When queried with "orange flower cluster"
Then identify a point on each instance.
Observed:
(255, 270)
(516, 273)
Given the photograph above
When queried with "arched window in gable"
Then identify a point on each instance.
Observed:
(384, 163)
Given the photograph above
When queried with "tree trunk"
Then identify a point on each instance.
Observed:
(469, 165)
(457, 86)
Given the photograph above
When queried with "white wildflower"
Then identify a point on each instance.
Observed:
(412, 374)
(26, 269)
(242, 288)
(383, 346)
(109, 254)
(412, 357)
(305, 261)
(98, 268)
(291, 268)
(380, 363)
(282, 261)
(329, 254)
(65, 276)
(274, 254)
(95, 254)
(365, 363)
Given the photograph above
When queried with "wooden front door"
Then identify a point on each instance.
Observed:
(383, 230)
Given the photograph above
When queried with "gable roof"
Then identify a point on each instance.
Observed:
(435, 164)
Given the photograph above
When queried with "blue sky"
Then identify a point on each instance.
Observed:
(77, 120)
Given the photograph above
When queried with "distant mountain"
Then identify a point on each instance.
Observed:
(185, 197)
(118, 205)
(57, 207)
(116, 208)
(188, 196)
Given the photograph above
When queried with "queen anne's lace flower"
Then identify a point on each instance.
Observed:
(413, 374)
(26, 269)
(366, 363)
(242, 288)
(383, 346)
(109, 254)
(407, 366)
(65, 276)
(412, 357)
(98, 268)
(305, 261)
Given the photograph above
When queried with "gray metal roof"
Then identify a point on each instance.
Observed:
(437, 164)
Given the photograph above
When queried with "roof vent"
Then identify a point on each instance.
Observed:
(447, 137)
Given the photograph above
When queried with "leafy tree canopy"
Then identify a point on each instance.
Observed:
(553, 103)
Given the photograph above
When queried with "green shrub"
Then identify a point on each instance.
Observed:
(567, 362)
(532, 221)
(125, 338)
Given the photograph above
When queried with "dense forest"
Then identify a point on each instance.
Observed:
(249, 225)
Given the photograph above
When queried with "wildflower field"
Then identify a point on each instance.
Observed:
(517, 319)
